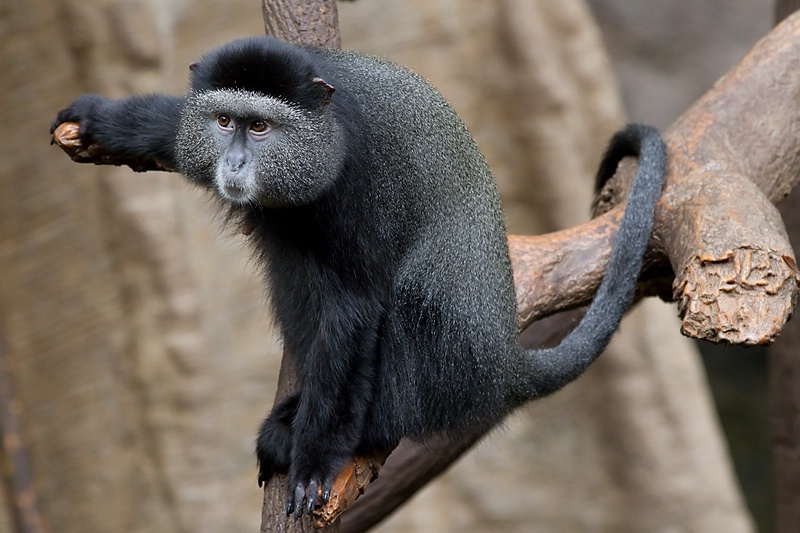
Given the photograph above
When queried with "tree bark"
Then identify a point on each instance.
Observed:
(311, 22)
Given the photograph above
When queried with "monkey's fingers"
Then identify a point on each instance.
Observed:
(296, 499)
(67, 136)
(305, 497)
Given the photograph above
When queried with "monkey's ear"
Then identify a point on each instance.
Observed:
(194, 66)
(326, 90)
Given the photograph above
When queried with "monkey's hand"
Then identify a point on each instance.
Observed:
(84, 112)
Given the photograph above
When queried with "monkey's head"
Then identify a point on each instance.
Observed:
(257, 126)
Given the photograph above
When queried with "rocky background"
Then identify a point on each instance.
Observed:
(142, 352)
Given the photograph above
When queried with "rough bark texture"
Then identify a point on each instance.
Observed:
(313, 22)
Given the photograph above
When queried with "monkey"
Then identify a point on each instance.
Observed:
(380, 231)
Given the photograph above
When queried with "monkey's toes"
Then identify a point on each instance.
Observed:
(308, 496)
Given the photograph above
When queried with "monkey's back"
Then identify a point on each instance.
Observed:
(452, 317)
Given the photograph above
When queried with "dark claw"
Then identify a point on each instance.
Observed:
(312, 493)
(326, 490)
(306, 496)
(299, 496)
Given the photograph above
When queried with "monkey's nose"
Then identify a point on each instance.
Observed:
(236, 158)
(235, 164)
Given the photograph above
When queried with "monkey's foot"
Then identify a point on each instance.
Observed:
(308, 495)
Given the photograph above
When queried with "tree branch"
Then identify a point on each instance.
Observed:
(732, 154)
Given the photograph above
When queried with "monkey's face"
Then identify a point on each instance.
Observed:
(254, 149)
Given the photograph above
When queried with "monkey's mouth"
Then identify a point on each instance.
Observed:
(234, 192)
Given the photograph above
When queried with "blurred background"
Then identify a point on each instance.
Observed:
(137, 337)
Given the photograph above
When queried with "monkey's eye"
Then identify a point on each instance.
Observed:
(224, 122)
(260, 127)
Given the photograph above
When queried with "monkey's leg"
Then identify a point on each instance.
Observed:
(274, 443)
(338, 385)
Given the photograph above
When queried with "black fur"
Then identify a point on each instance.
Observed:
(140, 126)
(281, 73)
(393, 288)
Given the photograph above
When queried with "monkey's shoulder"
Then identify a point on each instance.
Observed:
(414, 128)
(374, 78)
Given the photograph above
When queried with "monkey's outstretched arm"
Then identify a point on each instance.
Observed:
(138, 131)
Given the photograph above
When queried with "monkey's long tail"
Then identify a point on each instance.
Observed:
(550, 369)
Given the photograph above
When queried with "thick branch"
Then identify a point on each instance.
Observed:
(732, 154)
